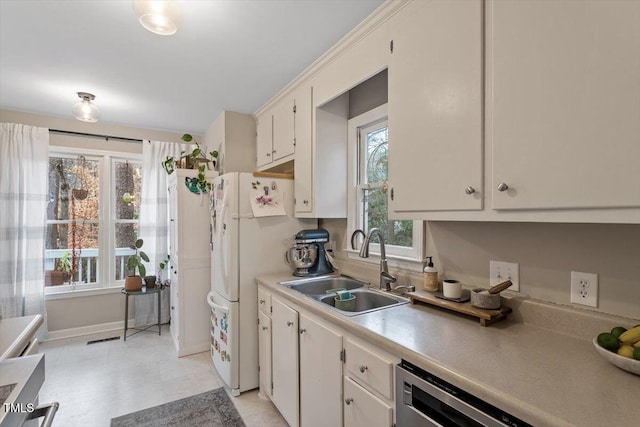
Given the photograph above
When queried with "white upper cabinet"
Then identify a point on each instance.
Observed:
(275, 129)
(284, 128)
(304, 149)
(564, 104)
(264, 139)
(435, 107)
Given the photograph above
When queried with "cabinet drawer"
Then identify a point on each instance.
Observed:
(370, 368)
(362, 408)
(264, 302)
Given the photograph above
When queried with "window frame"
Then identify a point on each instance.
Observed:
(406, 257)
(105, 277)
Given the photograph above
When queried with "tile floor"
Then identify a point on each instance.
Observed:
(94, 383)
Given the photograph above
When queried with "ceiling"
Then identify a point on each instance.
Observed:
(227, 55)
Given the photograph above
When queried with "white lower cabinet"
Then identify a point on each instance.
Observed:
(320, 374)
(284, 361)
(305, 362)
(362, 408)
(264, 354)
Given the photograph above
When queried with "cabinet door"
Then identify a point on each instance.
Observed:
(283, 128)
(284, 340)
(435, 107)
(304, 140)
(264, 353)
(564, 106)
(362, 408)
(320, 375)
(264, 139)
(175, 310)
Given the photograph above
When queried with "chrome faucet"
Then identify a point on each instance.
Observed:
(385, 277)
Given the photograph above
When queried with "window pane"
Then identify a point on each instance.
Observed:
(377, 144)
(71, 241)
(74, 188)
(126, 235)
(72, 248)
(398, 233)
(128, 181)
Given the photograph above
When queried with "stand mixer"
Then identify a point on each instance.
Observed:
(308, 255)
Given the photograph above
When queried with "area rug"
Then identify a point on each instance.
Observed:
(210, 409)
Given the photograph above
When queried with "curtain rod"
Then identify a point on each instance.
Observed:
(95, 135)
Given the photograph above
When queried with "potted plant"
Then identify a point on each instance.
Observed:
(161, 267)
(134, 282)
(61, 273)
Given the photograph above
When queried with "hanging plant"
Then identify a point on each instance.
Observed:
(80, 193)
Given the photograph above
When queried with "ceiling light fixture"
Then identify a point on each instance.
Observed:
(158, 16)
(85, 110)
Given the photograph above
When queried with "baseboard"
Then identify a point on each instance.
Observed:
(88, 330)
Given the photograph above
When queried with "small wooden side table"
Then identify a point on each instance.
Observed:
(144, 291)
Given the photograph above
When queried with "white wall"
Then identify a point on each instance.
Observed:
(90, 310)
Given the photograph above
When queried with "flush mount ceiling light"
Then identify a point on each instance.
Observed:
(85, 110)
(158, 16)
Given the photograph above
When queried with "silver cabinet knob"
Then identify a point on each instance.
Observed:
(363, 368)
(268, 154)
(262, 301)
(503, 187)
(302, 331)
(264, 328)
(306, 202)
(348, 400)
(469, 190)
(289, 323)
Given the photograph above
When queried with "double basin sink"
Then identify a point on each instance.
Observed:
(324, 289)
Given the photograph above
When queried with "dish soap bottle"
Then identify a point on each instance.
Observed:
(430, 276)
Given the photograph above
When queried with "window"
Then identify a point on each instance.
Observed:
(368, 155)
(92, 218)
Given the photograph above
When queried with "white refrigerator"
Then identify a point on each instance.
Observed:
(245, 244)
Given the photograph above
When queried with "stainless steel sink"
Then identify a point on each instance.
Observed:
(322, 285)
(367, 299)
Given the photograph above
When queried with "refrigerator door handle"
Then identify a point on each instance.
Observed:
(215, 306)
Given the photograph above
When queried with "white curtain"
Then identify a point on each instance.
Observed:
(154, 223)
(24, 169)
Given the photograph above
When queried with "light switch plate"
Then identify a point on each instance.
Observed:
(500, 271)
(584, 288)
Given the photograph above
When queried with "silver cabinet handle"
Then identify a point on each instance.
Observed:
(348, 400)
(306, 202)
(264, 328)
(262, 301)
(289, 323)
(302, 331)
(503, 187)
(363, 368)
(268, 154)
(469, 190)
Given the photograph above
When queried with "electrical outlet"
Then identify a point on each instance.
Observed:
(584, 288)
(501, 271)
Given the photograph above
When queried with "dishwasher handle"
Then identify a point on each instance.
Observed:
(47, 411)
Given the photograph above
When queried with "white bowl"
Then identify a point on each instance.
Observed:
(629, 365)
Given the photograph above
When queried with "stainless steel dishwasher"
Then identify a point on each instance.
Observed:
(422, 399)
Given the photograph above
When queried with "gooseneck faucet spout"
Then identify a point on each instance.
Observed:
(385, 277)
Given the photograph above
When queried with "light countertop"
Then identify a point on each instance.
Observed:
(542, 376)
(16, 333)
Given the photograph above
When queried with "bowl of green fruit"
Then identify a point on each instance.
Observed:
(621, 347)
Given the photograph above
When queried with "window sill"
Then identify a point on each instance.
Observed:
(80, 293)
(394, 261)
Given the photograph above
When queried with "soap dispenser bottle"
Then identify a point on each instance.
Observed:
(430, 276)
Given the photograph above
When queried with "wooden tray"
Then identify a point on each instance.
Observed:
(485, 316)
